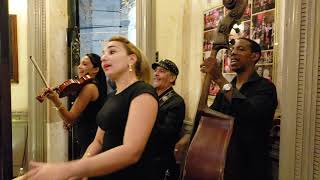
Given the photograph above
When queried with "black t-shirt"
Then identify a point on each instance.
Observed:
(253, 107)
(112, 118)
(86, 126)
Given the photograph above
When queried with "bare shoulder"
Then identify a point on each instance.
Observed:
(144, 101)
(145, 96)
(90, 90)
(90, 87)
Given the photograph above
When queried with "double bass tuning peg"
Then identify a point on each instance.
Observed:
(236, 26)
(232, 41)
(229, 4)
(236, 29)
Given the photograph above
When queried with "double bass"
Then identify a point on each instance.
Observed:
(212, 130)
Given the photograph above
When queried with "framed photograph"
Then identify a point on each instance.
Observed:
(264, 71)
(247, 13)
(214, 89)
(13, 51)
(244, 28)
(263, 29)
(266, 58)
(207, 40)
(262, 5)
(226, 63)
(212, 18)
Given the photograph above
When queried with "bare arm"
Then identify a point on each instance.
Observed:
(93, 149)
(88, 93)
(96, 146)
(142, 115)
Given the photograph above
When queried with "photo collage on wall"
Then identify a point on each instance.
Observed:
(212, 18)
(257, 23)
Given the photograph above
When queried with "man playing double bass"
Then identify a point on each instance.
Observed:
(252, 101)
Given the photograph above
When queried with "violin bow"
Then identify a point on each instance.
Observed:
(39, 71)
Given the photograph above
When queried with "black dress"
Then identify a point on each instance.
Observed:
(86, 126)
(112, 118)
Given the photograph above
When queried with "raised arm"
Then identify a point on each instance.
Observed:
(88, 93)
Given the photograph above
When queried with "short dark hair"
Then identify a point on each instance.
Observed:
(254, 46)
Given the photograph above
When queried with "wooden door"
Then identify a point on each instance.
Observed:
(5, 96)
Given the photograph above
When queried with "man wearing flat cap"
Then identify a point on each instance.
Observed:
(170, 117)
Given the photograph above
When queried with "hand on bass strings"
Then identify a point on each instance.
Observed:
(211, 66)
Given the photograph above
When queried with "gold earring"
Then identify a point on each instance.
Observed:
(130, 68)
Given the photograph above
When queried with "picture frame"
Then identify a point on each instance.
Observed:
(263, 29)
(262, 5)
(266, 58)
(213, 89)
(13, 50)
(226, 62)
(212, 18)
(265, 71)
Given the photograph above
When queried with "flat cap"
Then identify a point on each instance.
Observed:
(168, 65)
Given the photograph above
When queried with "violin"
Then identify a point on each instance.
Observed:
(68, 88)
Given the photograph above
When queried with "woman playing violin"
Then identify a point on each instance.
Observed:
(88, 101)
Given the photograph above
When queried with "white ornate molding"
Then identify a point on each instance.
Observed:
(36, 49)
(146, 27)
(299, 47)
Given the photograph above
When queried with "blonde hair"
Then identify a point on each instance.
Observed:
(142, 67)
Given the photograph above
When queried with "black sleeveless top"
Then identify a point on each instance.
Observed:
(86, 126)
(112, 118)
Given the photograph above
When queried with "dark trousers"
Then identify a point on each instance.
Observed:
(247, 166)
(166, 170)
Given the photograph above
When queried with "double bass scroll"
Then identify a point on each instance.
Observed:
(212, 130)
